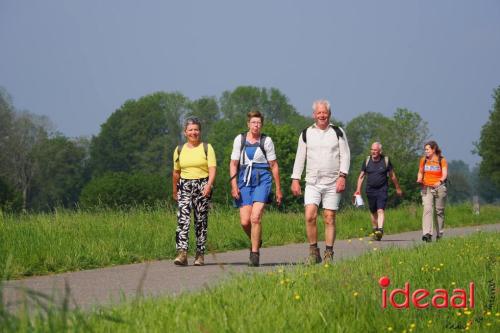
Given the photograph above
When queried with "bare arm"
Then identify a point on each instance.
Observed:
(394, 179)
(420, 176)
(444, 175)
(176, 175)
(360, 182)
(276, 176)
(211, 179)
(233, 170)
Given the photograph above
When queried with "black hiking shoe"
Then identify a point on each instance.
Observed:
(254, 259)
(427, 238)
(378, 233)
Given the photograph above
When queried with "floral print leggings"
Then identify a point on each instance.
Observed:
(189, 197)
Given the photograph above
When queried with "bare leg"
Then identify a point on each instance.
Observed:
(330, 231)
(245, 213)
(255, 218)
(311, 225)
(381, 217)
(374, 220)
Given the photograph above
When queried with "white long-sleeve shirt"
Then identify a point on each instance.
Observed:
(326, 156)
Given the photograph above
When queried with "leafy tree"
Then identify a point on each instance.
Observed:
(484, 186)
(271, 102)
(61, 172)
(6, 124)
(285, 138)
(207, 110)
(460, 187)
(221, 138)
(21, 165)
(140, 135)
(364, 129)
(489, 144)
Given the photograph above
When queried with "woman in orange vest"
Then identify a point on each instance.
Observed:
(432, 174)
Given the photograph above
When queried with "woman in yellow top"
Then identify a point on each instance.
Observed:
(193, 178)
(432, 174)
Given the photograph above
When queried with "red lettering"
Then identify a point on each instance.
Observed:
(384, 282)
(405, 292)
(471, 295)
(440, 294)
(416, 298)
(384, 298)
(458, 294)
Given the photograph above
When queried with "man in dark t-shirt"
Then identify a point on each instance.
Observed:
(377, 168)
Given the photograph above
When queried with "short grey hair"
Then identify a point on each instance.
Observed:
(192, 121)
(324, 102)
(378, 144)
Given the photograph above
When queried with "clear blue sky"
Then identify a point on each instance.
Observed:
(78, 61)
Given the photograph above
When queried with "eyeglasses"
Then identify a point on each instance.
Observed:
(256, 123)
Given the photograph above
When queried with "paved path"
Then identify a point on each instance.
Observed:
(109, 285)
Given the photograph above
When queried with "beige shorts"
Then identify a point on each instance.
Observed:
(325, 194)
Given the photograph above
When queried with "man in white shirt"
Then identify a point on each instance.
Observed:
(326, 150)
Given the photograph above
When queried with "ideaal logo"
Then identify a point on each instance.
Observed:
(419, 298)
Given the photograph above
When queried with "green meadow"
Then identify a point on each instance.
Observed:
(38, 244)
(345, 297)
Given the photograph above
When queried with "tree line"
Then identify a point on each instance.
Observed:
(129, 162)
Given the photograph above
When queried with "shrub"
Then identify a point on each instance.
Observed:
(122, 190)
